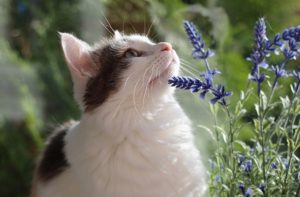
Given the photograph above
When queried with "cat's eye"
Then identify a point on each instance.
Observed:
(132, 53)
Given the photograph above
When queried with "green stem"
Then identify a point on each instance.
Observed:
(298, 190)
(262, 142)
(285, 185)
(287, 120)
(218, 152)
(290, 153)
(231, 163)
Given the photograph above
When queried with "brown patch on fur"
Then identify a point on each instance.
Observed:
(52, 161)
(111, 63)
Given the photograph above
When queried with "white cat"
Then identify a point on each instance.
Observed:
(133, 139)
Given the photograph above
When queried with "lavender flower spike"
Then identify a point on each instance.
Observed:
(204, 84)
(260, 34)
(194, 36)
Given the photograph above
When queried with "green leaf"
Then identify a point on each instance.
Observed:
(208, 130)
(292, 88)
(225, 187)
(258, 148)
(264, 100)
(256, 124)
(224, 136)
(256, 106)
(285, 101)
(291, 144)
(297, 110)
(242, 95)
(242, 144)
(258, 191)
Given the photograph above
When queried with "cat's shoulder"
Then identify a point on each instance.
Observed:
(53, 161)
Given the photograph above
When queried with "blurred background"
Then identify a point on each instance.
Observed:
(35, 86)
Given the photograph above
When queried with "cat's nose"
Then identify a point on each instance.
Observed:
(165, 46)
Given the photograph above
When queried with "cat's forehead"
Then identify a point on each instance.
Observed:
(118, 44)
(134, 40)
(137, 38)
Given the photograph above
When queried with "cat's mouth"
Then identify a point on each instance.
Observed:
(165, 73)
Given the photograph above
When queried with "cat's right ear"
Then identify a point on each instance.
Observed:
(77, 54)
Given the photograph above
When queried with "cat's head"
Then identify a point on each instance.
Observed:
(129, 68)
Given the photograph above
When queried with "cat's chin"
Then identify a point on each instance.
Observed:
(164, 75)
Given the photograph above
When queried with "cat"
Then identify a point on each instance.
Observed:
(133, 139)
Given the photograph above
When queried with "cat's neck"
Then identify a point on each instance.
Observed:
(123, 118)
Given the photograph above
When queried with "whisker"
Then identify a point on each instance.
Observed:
(146, 91)
(134, 100)
(155, 36)
(185, 70)
(190, 67)
(107, 21)
(107, 29)
(132, 27)
(150, 27)
(123, 24)
(146, 88)
(144, 29)
(122, 100)
(185, 60)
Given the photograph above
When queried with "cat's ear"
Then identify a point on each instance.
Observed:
(77, 54)
(117, 35)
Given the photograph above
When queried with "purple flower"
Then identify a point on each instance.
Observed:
(183, 82)
(279, 72)
(289, 54)
(292, 37)
(258, 78)
(262, 187)
(195, 37)
(220, 94)
(196, 86)
(260, 34)
(273, 165)
(287, 42)
(262, 48)
(209, 74)
(242, 187)
(247, 166)
(241, 158)
(205, 84)
(248, 192)
(218, 179)
(291, 33)
(258, 61)
(212, 164)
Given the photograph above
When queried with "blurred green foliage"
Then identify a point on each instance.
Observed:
(35, 86)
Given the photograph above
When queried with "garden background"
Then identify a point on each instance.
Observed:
(35, 86)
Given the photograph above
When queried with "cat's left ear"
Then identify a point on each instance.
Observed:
(78, 57)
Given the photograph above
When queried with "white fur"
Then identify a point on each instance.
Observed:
(139, 143)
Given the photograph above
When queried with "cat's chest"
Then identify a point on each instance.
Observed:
(133, 165)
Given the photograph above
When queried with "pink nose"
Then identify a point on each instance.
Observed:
(165, 46)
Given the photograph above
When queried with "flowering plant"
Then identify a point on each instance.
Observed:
(267, 164)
